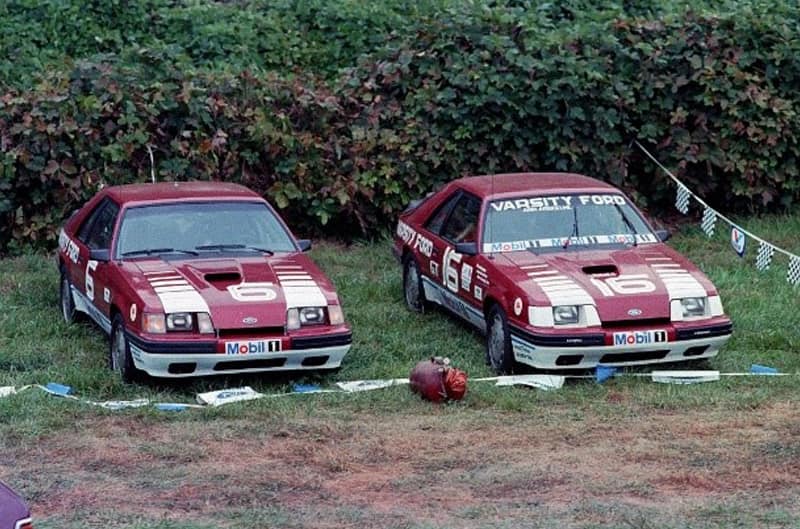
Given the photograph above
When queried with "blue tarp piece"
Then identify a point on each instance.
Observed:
(58, 389)
(603, 373)
(168, 406)
(305, 388)
(763, 370)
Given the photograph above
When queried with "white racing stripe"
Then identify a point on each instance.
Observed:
(560, 289)
(299, 288)
(680, 283)
(175, 293)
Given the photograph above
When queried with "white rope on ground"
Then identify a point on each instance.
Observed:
(539, 381)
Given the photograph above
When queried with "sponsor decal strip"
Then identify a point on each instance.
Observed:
(620, 238)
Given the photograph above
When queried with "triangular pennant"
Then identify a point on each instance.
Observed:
(709, 221)
(738, 241)
(682, 199)
(793, 275)
(764, 256)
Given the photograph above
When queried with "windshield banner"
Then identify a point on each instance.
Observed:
(587, 240)
(556, 203)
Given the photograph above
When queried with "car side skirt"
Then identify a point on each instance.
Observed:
(445, 298)
(83, 304)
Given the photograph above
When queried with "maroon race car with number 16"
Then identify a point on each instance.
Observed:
(198, 278)
(560, 271)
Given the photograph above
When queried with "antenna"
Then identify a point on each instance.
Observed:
(488, 212)
(152, 163)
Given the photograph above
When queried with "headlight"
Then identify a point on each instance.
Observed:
(335, 315)
(693, 307)
(297, 317)
(154, 323)
(204, 324)
(566, 314)
(179, 321)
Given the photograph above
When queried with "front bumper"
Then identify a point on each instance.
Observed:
(187, 359)
(689, 344)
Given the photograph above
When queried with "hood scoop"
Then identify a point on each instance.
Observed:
(604, 270)
(223, 280)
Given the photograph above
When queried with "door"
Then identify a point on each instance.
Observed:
(91, 275)
(459, 224)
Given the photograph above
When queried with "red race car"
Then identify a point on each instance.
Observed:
(560, 271)
(198, 278)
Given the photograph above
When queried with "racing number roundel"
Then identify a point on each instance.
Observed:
(518, 306)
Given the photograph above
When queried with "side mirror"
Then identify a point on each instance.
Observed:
(663, 235)
(304, 244)
(102, 255)
(467, 248)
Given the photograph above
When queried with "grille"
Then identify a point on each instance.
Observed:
(250, 364)
(637, 356)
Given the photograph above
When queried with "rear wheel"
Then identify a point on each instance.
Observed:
(412, 286)
(67, 303)
(499, 354)
(119, 353)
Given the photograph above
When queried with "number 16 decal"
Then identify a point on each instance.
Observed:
(624, 284)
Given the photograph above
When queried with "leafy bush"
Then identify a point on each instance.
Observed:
(448, 90)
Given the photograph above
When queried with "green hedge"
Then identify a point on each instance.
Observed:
(468, 89)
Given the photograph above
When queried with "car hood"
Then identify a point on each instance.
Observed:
(12, 508)
(237, 292)
(632, 283)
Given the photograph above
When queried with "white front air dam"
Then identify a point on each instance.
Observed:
(543, 357)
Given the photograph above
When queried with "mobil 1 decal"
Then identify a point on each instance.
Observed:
(556, 203)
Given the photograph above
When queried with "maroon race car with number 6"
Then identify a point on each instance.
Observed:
(198, 278)
(560, 271)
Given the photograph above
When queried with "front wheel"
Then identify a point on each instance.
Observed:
(119, 353)
(499, 353)
(412, 286)
(67, 302)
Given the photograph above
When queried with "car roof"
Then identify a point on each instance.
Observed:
(515, 184)
(178, 191)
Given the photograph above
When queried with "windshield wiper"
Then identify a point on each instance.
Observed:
(628, 224)
(226, 247)
(574, 228)
(151, 251)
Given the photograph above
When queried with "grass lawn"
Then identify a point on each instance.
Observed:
(629, 453)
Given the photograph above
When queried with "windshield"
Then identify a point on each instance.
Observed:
(201, 227)
(558, 222)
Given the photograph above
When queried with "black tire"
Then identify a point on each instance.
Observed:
(413, 293)
(499, 354)
(119, 353)
(68, 311)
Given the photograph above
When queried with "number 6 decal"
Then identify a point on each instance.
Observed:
(450, 274)
(89, 283)
(624, 284)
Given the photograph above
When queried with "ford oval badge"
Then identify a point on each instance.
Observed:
(250, 320)
(634, 312)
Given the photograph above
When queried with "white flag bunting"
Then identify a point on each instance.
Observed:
(739, 236)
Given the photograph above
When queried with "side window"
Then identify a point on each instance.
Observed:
(462, 224)
(101, 226)
(83, 231)
(434, 224)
